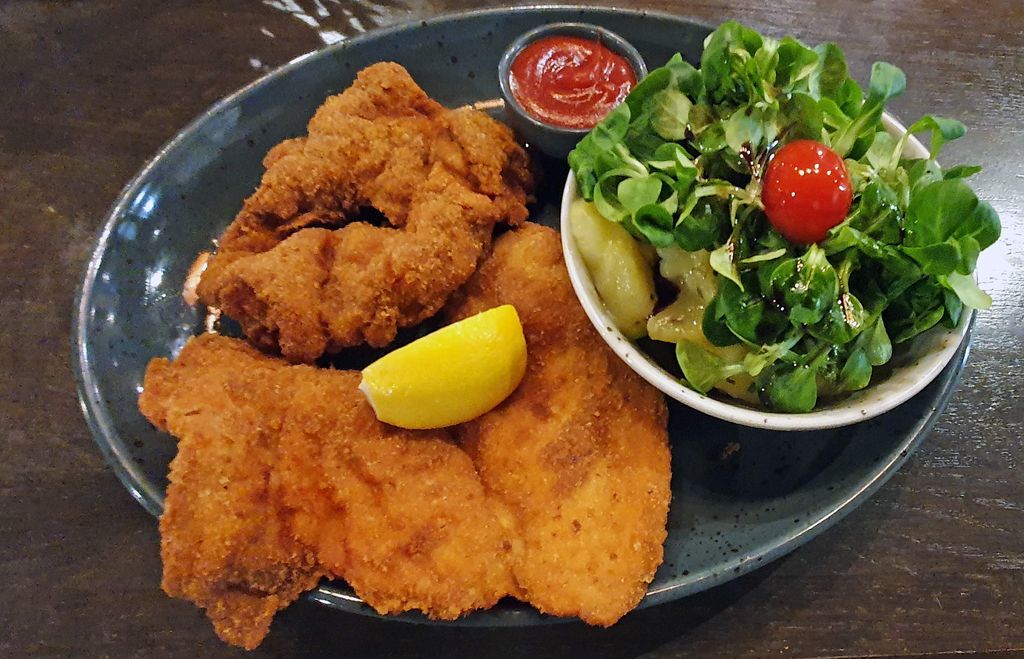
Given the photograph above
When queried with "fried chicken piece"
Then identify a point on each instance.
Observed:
(225, 544)
(284, 474)
(400, 515)
(440, 178)
(579, 452)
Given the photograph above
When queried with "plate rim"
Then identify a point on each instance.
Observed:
(100, 422)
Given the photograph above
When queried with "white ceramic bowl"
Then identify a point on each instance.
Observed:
(914, 365)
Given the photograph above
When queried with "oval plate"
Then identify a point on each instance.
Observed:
(742, 496)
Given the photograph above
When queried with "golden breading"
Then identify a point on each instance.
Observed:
(579, 452)
(400, 515)
(284, 474)
(225, 544)
(439, 178)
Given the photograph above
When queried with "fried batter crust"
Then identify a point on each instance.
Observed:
(225, 544)
(579, 452)
(303, 275)
(284, 474)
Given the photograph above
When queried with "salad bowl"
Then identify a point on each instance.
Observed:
(913, 366)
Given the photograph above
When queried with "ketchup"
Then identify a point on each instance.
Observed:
(570, 82)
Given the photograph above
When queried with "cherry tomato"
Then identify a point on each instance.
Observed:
(806, 191)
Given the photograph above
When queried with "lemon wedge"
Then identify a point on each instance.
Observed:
(451, 375)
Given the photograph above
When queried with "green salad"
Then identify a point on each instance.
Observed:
(802, 242)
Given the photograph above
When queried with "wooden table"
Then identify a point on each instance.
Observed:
(934, 563)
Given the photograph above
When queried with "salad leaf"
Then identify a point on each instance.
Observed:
(922, 173)
(714, 327)
(670, 113)
(763, 257)
(947, 227)
(723, 263)
(955, 306)
(877, 214)
(638, 191)
(876, 344)
(796, 63)
(967, 292)
(603, 139)
(655, 224)
(608, 203)
(856, 371)
(829, 74)
(842, 322)
(748, 315)
(942, 130)
(882, 149)
(723, 63)
(755, 362)
(916, 310)
(786, 387)
(745, 129)
(741, 310)
(871, 349)
(887, 81)
(702, 368)
(886, 255)
(808, 286)
(962, 171)
(703, 227)
(800, 117)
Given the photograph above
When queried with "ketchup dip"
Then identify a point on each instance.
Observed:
(570, 82)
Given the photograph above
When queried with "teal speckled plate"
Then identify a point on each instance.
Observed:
(728, 516)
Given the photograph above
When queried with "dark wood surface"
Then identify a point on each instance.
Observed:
(934, 563)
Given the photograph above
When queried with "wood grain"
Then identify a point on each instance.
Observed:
(934, 563)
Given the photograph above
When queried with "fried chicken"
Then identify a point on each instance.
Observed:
(284, 474)
(400, 515)
(225, 544)
(579, 452)
(303, 275)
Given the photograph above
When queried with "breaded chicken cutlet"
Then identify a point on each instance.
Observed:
(300, 271)
(225, 544)
(284, 474)
(579, 452)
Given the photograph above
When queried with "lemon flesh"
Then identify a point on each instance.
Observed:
(451, 375)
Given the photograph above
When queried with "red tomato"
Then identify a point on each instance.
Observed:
(806, 191)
